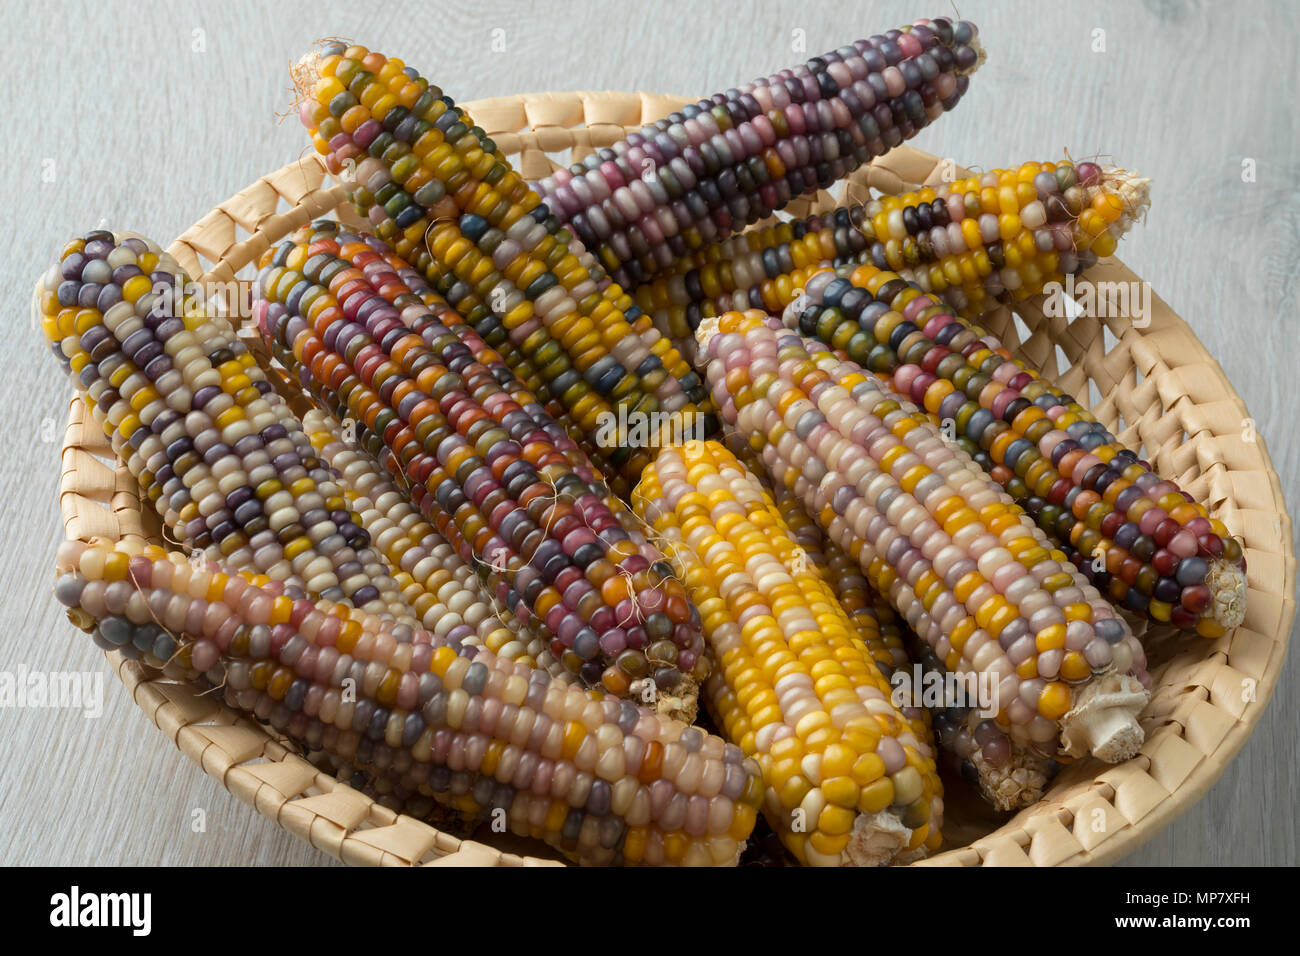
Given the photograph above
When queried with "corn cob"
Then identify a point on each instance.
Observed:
(975, 579)
(977, 241)
(437, 189)
(384, 789)
(715, 167)
(802, 529)
(847, 782)
(1004, 235)
(218, 453)
(488, 468)
(878, 628)
(1144, 542)
(399, 284)
(600, 779)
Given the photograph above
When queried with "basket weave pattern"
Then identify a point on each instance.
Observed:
(1159, 389)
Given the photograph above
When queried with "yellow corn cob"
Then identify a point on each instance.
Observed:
(872, 618)
(847, 781)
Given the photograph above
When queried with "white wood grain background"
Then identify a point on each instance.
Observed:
(147, 116)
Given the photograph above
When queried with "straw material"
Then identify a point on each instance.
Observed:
(1158, 388)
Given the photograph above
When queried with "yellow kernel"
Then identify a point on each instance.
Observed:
(1051, 638)
(828, 845)
(1054, 701)
(877, 796)
(841, 791)
(834, 821)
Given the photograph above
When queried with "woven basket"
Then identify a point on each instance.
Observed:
(1158, 388)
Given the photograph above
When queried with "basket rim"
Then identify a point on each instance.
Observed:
(358, 829)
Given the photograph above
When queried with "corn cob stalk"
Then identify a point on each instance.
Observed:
(1143, 541)
(847, 782)
(217, 452)
(435, 187)
(498, 478)
(600, 779)
(975, 579)
(715, 167)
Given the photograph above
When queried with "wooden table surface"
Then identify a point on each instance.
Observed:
(147, 121)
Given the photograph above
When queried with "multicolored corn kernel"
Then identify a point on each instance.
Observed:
(962, 565)
(714, 167)
(217, 452)
(847, 781)
(601, 779)
(1141, 540)
(499, 479)
(435, 187)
